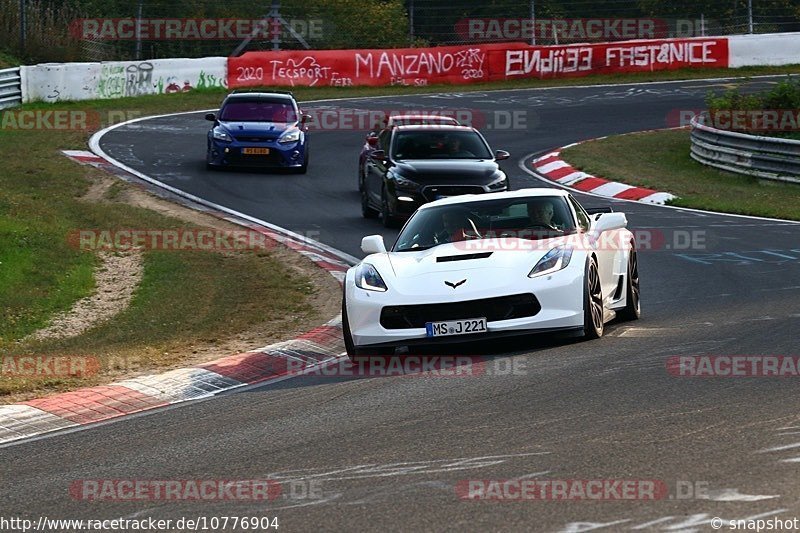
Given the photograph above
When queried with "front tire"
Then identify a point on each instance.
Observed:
(303, 169)
(367, 211)
(633, 305)
(593, 311)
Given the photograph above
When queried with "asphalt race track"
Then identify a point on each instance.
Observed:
(387, 453)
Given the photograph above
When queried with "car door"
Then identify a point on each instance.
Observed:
(376, 169)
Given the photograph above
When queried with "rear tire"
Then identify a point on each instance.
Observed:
(593, 311)
(633, 305)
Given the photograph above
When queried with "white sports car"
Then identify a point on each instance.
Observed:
(477, 266)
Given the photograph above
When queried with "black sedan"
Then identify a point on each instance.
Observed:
(415, 164)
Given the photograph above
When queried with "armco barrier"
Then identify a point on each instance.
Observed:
(10, 87)
(471, 64)
(763, 157)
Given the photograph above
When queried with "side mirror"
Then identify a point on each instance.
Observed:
(501, 154)
(610, 221)
(378, 155)
(305, 117)
(211, 117)
(373, 244)
(372, 140)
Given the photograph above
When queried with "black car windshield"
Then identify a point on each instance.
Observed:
(439, 144)
(532, 218)
(259, 111)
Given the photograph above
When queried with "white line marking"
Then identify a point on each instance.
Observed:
(781, 448)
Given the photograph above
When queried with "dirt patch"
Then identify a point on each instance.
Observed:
(116, 279)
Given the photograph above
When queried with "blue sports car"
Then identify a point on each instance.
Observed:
(258, 129)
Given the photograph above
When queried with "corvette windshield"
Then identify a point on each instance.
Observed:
(439, 144)
(532, 218)
(259, 111)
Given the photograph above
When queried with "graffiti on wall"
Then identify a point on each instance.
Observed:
(116, 81)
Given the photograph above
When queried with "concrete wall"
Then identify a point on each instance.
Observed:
(54, 82)
(770, 49)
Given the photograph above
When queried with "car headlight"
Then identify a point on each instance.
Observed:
(367, 278)
(499, 182)
(404, 183)
(290, 136)
(556, 259)
(220, 134)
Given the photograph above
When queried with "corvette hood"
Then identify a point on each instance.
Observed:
(485, 264)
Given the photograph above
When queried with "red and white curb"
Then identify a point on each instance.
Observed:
(314, 349)
(555, 169)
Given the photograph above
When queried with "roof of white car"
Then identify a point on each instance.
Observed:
(521, 193)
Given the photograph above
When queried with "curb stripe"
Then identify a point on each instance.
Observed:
(612, 188)
(95, 404)
(590, 183)
(552, 167)
(635, 193)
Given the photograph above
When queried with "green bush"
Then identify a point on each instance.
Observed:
(785, 96)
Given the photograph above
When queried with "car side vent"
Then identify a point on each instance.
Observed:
(464, 257)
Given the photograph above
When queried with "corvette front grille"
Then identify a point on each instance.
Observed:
(502, 308)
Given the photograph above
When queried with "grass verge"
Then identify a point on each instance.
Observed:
(188, 302)
(660, 160)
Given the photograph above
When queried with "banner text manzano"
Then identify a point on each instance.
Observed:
(470, 63)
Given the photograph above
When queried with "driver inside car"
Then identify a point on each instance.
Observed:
(540, 215)
(456, 226)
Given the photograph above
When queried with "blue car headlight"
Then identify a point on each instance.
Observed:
(556, 259)
(219, 134)
(290, 136)
(367, 278)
